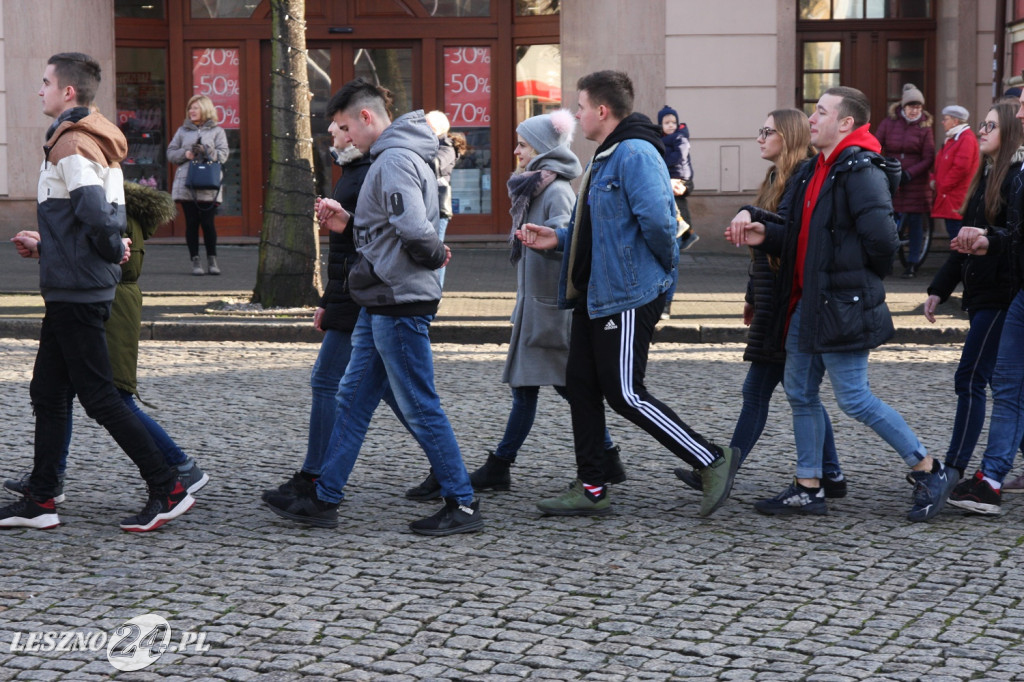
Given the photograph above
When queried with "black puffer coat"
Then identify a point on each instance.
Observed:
(341, 310)
(851, 244)
(988, 280)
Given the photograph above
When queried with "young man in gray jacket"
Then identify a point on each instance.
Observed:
(396, 282)
(81, 216)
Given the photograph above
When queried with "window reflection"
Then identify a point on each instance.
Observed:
(223, 9)
(139, 9)
(533, 8)
(318, 70)
(141, 114)
(538, 80)
(822, 56)
(457, 8)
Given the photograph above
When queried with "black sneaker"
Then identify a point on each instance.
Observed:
(976, 495)
(614, 472)
(161, 508)
(796, 499)
(27, 513)
(307, 509)
(931, 490)
(192, 477)
(492, 475)
(690, 477)
(300, 484)
(834, 489)
(451, 519)
(429, 489)
(19, 486)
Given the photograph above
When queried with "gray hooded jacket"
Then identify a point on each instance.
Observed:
(396, 224)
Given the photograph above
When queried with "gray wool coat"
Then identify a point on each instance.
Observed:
(539, 348)
(214, 141)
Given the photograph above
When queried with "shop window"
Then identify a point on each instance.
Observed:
(141, 114)
(533, 8)
(139, 9)
(865, 9)
(215, 73)
(905, 64)
(467, 103)
(457, 8)
(223, 9)
(538, 80)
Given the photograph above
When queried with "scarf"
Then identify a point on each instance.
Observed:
(522, 188)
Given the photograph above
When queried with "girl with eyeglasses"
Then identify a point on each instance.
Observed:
(988, 291)
(785, 142)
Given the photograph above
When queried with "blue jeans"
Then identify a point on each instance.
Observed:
(520, 421)
(758, 387)
(953, 227)
(914, 222)
(331, 361)
(848, 373)
(974, 373)
(1006, 426)
(392, 351)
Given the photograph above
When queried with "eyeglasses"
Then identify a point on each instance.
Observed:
(987, 126)
(765, 133)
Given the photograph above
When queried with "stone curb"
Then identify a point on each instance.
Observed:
(440, 332)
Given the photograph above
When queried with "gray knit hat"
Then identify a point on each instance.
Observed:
(911, 95)
(957, 112)
(547, 131)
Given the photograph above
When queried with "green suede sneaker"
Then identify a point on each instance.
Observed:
(717, 479)
(576, 502)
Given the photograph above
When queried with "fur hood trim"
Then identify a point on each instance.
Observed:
(927, 120)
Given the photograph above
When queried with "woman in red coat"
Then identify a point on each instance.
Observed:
(906, 134)
(955, 164)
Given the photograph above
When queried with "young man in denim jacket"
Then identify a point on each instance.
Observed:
(620, 257)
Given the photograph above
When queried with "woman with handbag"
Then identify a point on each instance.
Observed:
(199, 147)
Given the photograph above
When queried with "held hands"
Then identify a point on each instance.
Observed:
(331, 215)
(27, 243)
(930, 304)
(678, 187)
(127, 250)
(741, 231)
(970, 240)
(537, 237)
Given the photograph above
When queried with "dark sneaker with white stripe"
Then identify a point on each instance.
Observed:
(19, 486)
(160, 508)
(931, 490)
(27, 513)
(453, 518)
(796, 499)
(306, 508)
(976, 495)
(192, 477)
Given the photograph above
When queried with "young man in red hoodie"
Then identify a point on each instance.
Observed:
(837, 238)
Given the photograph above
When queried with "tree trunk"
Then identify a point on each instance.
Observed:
(288, 274)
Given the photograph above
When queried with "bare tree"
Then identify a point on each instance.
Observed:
(288, 274)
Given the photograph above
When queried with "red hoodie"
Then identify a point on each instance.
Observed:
(861, 137)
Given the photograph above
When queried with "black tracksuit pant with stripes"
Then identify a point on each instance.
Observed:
(608, 361)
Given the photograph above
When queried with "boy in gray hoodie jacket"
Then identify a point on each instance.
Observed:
(396, 281)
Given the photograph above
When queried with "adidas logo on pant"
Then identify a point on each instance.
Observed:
(610, 326)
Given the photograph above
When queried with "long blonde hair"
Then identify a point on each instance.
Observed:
(792, 126)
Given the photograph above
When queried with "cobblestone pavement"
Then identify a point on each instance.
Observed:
(650, 593)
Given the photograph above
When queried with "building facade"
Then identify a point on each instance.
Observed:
(489, 64)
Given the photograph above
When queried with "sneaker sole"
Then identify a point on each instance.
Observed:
(160, 519)
(549, 511)
(41, 522)
(307, 520)
(976, 507)
(198, 485)
(472, 527)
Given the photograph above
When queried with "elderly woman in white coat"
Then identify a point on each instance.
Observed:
(539, 347)
(200, 138)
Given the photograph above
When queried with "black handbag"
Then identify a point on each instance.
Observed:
(204, 175)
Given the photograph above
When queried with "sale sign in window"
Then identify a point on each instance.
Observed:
(215, 74)
(467, 86)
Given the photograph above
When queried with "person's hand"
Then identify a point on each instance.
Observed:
(318, 318)
(741, 231)
(970, 240)
(930, 304)
(26, 243)
(447, 256)
(127, 250)
(331, 215)
(748, 313)
(678, 187)
(189, 155)
(537, 237)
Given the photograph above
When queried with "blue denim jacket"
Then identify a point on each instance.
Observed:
(633, 219)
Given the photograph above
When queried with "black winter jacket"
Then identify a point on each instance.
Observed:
(987, 280)
(851, 244)
(340, 310)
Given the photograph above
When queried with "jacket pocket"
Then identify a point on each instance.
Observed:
(841, 318)
(604, 198)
